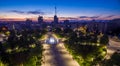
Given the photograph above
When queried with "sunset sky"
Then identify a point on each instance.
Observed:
(66, 9)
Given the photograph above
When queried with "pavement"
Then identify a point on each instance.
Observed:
(112, 47)
(57, 55)
(114, 43)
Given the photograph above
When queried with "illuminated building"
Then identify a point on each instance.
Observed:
(40, 19)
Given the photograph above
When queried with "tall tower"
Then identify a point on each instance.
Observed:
(55, 16)
(55, 10)
(40, 19)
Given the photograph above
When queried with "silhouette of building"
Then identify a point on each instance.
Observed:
(28, 22)
(66, 22)
(55, 16)
(40, 19)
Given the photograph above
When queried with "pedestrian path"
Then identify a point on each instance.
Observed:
(57, 55)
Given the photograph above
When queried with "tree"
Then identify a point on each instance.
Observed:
(104, 40)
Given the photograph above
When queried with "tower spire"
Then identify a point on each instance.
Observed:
(55, 16)
(55, 10)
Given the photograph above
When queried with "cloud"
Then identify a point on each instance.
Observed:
(9, 19)
(110, 16)
(94, 17)
(35, 12)
(16, 11)
(89, 17)
(83, 17)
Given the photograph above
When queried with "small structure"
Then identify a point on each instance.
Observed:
(51, 40)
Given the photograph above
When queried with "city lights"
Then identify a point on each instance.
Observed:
(52, 40)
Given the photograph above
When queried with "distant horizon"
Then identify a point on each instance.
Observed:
(50, 19)
(66, 9)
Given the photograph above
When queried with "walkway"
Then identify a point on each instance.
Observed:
(57, 55)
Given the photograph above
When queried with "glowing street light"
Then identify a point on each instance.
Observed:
(51, 40)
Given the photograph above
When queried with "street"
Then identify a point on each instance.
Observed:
(112, 47)
(57, 55)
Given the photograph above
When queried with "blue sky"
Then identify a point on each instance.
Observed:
(65, 8)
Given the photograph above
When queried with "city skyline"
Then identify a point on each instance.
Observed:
(72, 9)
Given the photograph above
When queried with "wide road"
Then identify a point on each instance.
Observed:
(57, 55)
(112, 47)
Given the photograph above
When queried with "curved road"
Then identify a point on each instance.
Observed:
(112, 47)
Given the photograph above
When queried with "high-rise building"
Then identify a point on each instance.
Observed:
(28, 22)
(55, 16)
(66, 22)
(40, 19)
